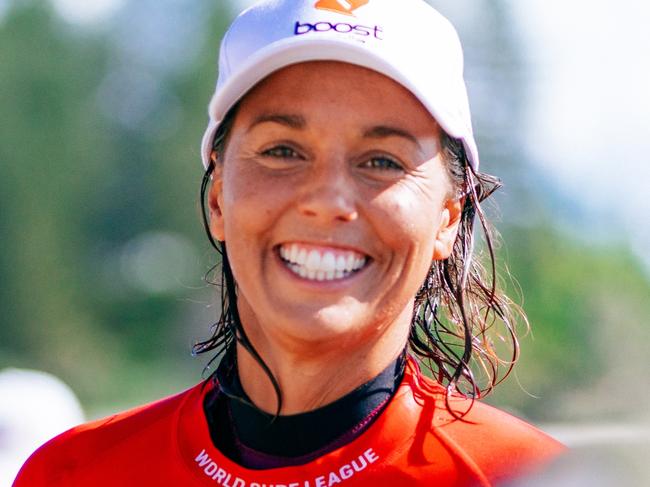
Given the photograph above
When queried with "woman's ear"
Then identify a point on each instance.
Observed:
(448, 229)
(215, 200)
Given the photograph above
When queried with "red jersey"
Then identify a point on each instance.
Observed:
(414, 442)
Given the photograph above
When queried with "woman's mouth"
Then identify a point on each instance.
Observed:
(321, 263)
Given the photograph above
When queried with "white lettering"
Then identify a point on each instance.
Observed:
(361, 465)
(220, 475)
(370, 455)
(330, 479)
(346, 472)
(211, 469)
(334, 479)
(202, 458)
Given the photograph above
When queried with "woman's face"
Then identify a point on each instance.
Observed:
(333, 201)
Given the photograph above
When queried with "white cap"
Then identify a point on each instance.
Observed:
(406, 40)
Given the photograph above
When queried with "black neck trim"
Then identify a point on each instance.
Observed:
(243, 428)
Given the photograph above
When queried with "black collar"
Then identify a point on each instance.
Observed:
(231, 414)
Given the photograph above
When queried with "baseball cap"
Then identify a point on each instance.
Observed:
(406, 40)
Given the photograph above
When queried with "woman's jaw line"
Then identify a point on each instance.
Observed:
(313, 378)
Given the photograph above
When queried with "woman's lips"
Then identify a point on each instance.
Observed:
(321, 263)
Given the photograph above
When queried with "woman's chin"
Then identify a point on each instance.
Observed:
(327, 326)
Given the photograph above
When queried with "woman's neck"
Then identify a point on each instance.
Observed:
(258, 440)
(310, 378)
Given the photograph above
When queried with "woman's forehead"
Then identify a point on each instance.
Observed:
(346, 76)
(303, 92)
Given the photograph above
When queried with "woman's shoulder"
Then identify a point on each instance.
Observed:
(498, 444)
(134, 432)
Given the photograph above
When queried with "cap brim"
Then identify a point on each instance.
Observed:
(293, 51)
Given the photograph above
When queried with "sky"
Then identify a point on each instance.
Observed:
(588, 114)
(589, 106)
(84, 11)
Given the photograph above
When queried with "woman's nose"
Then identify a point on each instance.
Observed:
(329, 194)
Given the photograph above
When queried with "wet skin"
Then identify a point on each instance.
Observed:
(333, 200)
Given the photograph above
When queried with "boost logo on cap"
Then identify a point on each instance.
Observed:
(341, 6)
(406, 40)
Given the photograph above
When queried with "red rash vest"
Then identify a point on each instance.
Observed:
(414, 442)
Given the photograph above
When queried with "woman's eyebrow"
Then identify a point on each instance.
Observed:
(384, 131)
(297, 122)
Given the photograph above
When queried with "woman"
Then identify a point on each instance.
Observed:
(341, 187)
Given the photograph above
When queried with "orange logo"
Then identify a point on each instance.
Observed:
(346, 7)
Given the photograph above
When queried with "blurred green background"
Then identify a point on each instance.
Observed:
(103, 253)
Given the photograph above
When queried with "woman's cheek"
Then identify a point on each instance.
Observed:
(396, 209)
(247, 198)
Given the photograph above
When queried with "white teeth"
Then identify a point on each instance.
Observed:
(293, 253)
(321, 266)
(349, 262)
(301, 258)
(328, 262)
(313, 260)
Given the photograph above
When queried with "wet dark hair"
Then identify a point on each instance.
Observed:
(461, 319)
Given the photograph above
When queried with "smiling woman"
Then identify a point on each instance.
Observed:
(298, 196)
(341, 188)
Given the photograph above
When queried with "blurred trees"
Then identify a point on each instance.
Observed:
(103, 250)
(92, 184)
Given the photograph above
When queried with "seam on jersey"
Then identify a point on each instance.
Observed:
(466, 458)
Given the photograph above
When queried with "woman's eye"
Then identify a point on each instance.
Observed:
(281, 152)
(383, 163)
